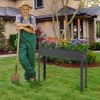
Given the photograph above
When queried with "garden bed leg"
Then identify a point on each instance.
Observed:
(85, 74)
(81, 74)
(44, 67)
(38, 66)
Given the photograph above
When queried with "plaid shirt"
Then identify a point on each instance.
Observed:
(26, 21)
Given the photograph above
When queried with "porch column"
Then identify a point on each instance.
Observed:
(65, 34)
(78, 21)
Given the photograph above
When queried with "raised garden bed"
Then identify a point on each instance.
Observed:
(66, 54)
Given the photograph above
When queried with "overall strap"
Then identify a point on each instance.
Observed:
(21, 20)
(30, 19)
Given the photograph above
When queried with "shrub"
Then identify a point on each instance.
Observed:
(12, 41)
(91, 57)
(1, 48)
(95, 46)
(2, 30)
(39, 36)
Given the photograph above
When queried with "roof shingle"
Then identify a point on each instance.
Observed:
(8, 11)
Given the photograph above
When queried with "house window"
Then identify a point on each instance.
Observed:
(75, 29)
(81, 29)
(98, 29)
(38, 4)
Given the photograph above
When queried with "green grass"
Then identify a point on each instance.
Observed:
(61, 84)
(98, 57)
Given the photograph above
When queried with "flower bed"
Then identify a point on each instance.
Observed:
(73, 45)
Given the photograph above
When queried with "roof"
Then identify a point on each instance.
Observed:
(92, 11)
(70, 11)
(9, 11)
(44, 16)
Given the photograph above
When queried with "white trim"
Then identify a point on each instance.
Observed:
(97, 40)
(95, 31)
(85, 30)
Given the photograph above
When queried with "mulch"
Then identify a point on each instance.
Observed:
(7, 52)
(70, 65)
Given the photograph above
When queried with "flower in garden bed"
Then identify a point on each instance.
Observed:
(77, 45)
(74, 44)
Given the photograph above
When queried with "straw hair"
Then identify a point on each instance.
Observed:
(25, 3)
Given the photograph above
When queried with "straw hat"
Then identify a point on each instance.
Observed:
(25, 3)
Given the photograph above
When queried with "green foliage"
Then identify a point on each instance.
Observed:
(2, 30)
(12, 40)
(91, 57)
(95, 46)
(88, 3)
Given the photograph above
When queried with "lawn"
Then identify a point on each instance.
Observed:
(98, 57)
(61, 84)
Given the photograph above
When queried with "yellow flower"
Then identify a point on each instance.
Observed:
(65, 44)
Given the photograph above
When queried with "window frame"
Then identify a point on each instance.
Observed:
(75, 29)
(38, 7)
(97, 28)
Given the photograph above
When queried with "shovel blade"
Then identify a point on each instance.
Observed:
(15, 78)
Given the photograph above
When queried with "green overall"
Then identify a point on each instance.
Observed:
(27, 53)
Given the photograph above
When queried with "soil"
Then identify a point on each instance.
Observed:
(70, 65)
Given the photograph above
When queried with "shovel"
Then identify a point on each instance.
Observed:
(15, 76)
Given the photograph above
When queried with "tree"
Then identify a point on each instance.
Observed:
(53, 9)
(89, 3)
(93, 2)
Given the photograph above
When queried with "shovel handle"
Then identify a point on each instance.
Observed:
(17, 55)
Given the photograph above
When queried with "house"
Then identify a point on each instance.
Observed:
(40, 9)
(94, 22)
(86, 24)
(43, 10)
